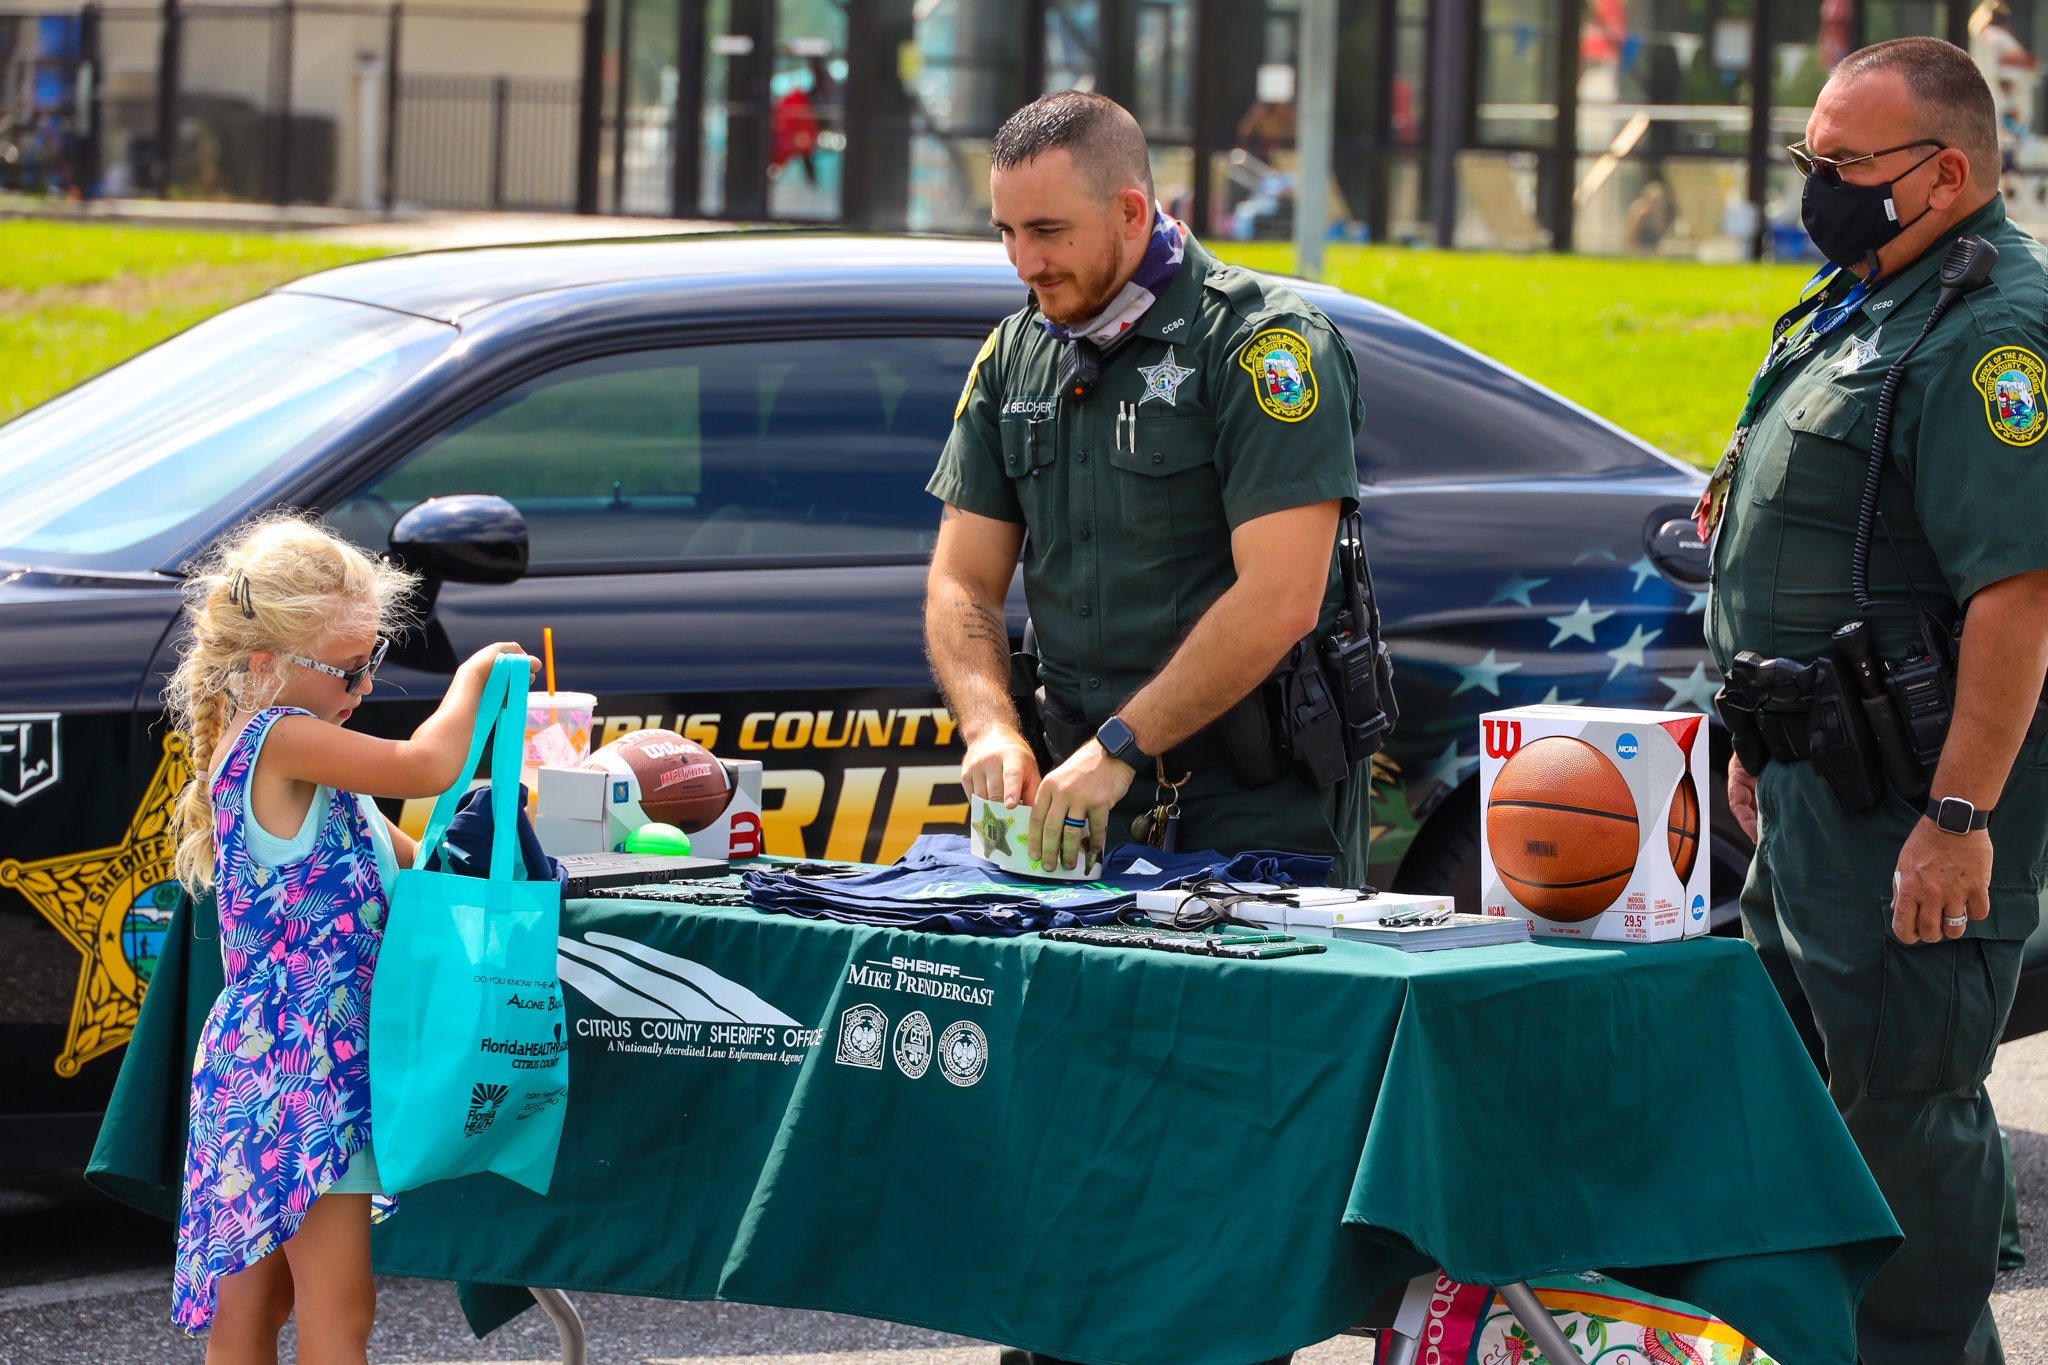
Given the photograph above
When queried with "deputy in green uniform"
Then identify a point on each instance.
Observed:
(1895, 943)
(1167, 441)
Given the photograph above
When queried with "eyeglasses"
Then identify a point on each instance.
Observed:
(351, 678)
(1831, 170)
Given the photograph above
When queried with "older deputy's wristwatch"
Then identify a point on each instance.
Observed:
(1953, 815)
(1116, 738)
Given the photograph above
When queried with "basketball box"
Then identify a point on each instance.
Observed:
(1592, 822)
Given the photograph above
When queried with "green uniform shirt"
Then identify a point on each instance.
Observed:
(1245, 401)
(1965, 492)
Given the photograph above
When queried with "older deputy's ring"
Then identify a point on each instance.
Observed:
(1077, 824)
(1957, 922)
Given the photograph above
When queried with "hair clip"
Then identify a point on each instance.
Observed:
(240, 595)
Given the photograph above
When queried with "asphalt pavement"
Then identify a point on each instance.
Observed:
(84, 1281)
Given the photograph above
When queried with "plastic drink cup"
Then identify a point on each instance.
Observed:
(557, 735)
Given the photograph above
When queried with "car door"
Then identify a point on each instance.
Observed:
(728, 540)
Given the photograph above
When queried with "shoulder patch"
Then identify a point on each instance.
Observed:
(988, 348)
(2011, 380)
(1278, 362)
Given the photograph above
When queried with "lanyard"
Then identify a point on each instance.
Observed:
(1792, 337)
(1799, 330)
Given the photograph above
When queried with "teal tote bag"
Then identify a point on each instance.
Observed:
(469, 1064)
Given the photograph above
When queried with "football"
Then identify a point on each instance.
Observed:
(658, 777)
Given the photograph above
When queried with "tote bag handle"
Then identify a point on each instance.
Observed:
(502, 708)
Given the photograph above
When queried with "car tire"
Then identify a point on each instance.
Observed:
(1444, 859)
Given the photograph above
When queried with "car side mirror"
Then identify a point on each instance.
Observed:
(466, 538)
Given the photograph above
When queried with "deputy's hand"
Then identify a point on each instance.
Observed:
(1742, 797)
(999, 766)
(1085, 787)
(1940, 876)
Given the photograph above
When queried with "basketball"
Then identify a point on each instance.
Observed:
(1561, 828)
(1684, 827)
(658, 777)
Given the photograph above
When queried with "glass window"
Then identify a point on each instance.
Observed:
(757, 448)
(122, 470)
(1517, 72)
(1663, 127)
(807, 109)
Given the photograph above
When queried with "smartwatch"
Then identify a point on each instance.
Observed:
(1116, 737)
(1953, 815)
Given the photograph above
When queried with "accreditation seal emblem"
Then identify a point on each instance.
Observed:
(913, 1044)
(963, 1052)
(863, 1031)
(2011, 380)
(1283, 380)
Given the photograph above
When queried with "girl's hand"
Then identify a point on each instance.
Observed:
(482, 660)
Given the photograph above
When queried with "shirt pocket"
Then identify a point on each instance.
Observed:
(1812, 462)
(1028, 452)
(1167, 491)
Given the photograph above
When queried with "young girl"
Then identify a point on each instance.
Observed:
(287, 627)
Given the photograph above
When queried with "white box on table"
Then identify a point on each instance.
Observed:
(1598, 829)
(569, 811)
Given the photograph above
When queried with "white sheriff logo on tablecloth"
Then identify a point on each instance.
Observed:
(963, 1052)
(913, 1044)
(862, 1032)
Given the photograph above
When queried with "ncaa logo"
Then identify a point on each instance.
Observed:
(1625, 746)
(1699, 907)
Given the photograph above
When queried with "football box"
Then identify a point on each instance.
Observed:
(1540, 847)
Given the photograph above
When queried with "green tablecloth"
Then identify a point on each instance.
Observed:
(1149, 1159)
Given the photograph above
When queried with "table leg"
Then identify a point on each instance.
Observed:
(1537, 1322)
(1403, 1349)
(568, 1323)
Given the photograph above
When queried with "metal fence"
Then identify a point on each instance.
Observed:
(484, 142)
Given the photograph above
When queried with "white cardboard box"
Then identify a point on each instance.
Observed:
(1595, 800)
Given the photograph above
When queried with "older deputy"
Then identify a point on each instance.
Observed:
(1888, 913)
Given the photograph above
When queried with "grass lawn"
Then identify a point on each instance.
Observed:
(1663, 348)
(77, 299)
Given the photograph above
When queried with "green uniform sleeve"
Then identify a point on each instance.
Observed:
(970, 474)
(1981, 465)
(1286, 411)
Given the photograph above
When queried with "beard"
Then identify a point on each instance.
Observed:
(1096, 281)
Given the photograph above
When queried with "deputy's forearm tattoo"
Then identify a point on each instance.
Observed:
(979, 623)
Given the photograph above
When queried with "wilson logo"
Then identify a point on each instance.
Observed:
(1502, 737)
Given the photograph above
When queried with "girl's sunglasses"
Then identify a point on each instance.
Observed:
(351, 678)
(1831, 171)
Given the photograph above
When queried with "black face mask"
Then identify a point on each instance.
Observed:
(1850, 222)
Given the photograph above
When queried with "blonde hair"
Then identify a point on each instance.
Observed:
(275, 584)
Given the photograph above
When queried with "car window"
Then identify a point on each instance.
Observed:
(796, 447)
(122, 470)
(1436, 413)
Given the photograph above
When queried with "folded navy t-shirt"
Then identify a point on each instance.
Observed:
(939, 886)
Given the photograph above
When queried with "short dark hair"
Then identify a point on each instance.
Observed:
(1955, 103)
(1105, 141)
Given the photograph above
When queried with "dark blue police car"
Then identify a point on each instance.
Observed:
(718, 448)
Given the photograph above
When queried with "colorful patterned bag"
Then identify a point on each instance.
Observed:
(469, 1066)
(1606, 1322)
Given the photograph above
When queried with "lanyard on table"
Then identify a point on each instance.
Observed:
(1792, 337)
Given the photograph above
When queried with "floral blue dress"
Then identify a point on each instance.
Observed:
(281, 1080)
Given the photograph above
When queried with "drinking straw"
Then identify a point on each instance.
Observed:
(547, 638)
